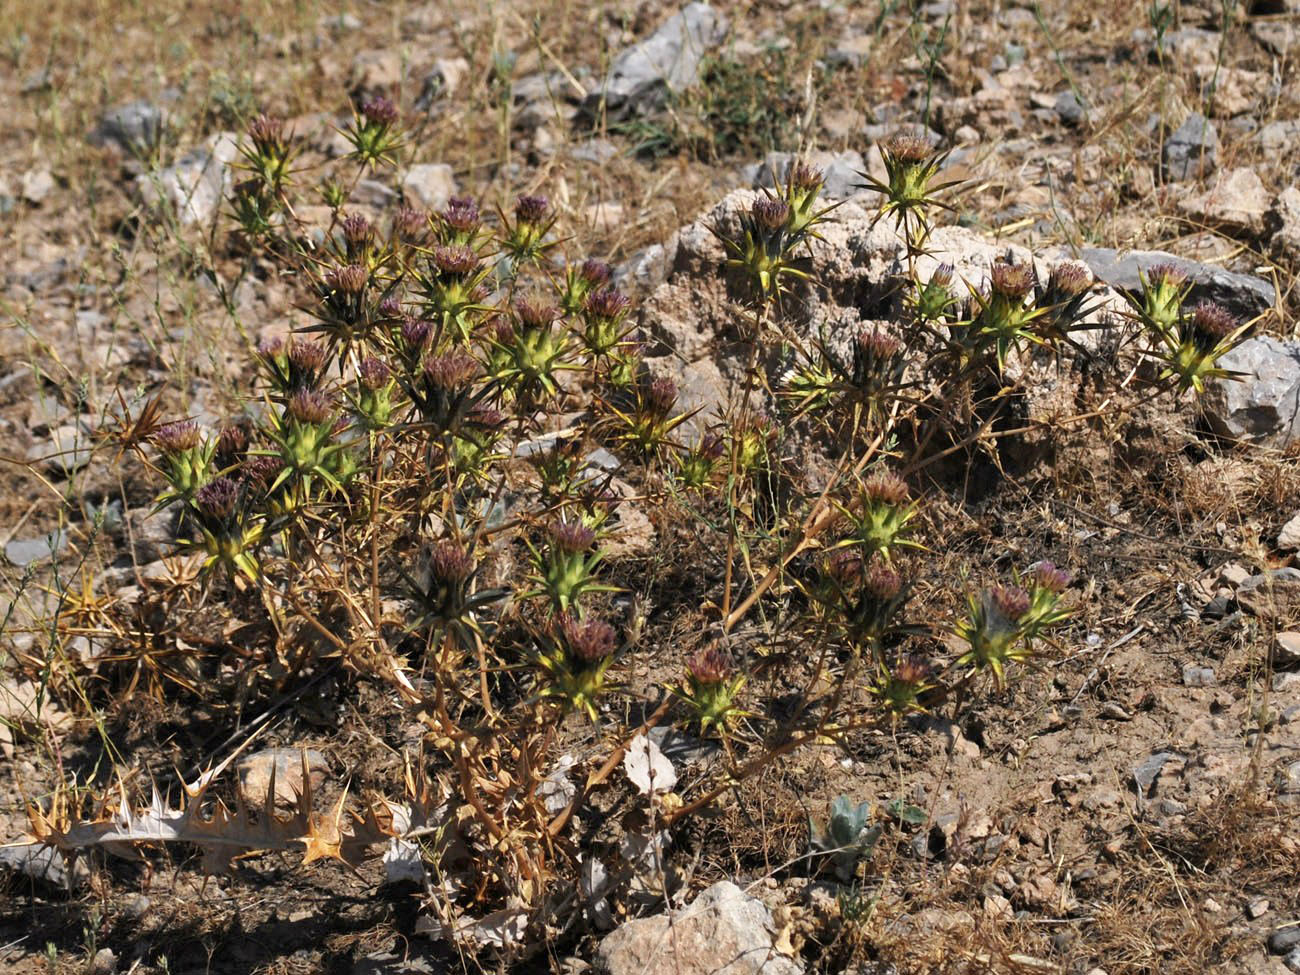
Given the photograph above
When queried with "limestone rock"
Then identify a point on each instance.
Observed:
(723, 932)
(668, 60)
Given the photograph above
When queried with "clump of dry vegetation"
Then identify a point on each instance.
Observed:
(454, 524)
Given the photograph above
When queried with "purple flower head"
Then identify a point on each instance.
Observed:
(451, 371)
(217, 498)
(770, 213)
(450, 563)
(572, 536)
(379, 111)
(177, 437)
(591, 641)
(310, 406)
(373, 373)
(532, 209)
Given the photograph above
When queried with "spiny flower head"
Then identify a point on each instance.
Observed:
(572, 536)
(595, 273)
(450, 371)
(232, 441)
(449, 562)
(410, 224)
(260, 470)
(1069, 279)
(311, 406)
(882, 582)
(1011, 281)
(770, 213)
(934, 299)
(416, 333)
(461, 221)
(1210, 325)
(535, 313)
(379, 111)
(373, 373)
(607, 304)
(532, 208)
(661, 394)
(885, 487)
(217, 499)
(458, 260)
(590, 641)
(177, 437)
(348, 280)
(712, 665)
(1046, 575)
(1012, 602)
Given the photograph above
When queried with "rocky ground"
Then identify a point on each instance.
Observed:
(1130, 806)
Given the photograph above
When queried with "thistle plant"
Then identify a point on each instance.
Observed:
(524, 238)
(900, 683)
(645, 427)
(581, 281)
(1004, 621)
(268, 153)
(1189, 351)
(866, 599)
(880, 521)
(374, 134)
(577, 662)
(533, 353)
(566, 570)
(186, 457)
(711, 690)
(454, 289)
(230, 534)
(447, 600)
(912, 185)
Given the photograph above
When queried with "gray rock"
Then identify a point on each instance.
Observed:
(851, 52)
(1242, 294)
(441, 82)
(65, 452)
(1264, 406)
(1194, 676)
(842, 171)
(35, 861)
(1284, 221)
(668, 60)
(723, 932)
(254, 774)
(24, 551)
(1285, 939)
(151, 533)
(1286, 649)
(595, 151)
(134, 128)
(1192, 150)
(1145, 775)
(1289, 537)
(196, 185)
(391, 962)
(1278, 137)
(432, 184)
(1069, 109)
(1237, 202)
(1292, 960)
(37, 185)
(341, 23)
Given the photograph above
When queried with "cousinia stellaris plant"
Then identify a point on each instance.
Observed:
(434, 484)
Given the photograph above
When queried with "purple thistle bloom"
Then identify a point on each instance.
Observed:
(177, 437)
(217, 498)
